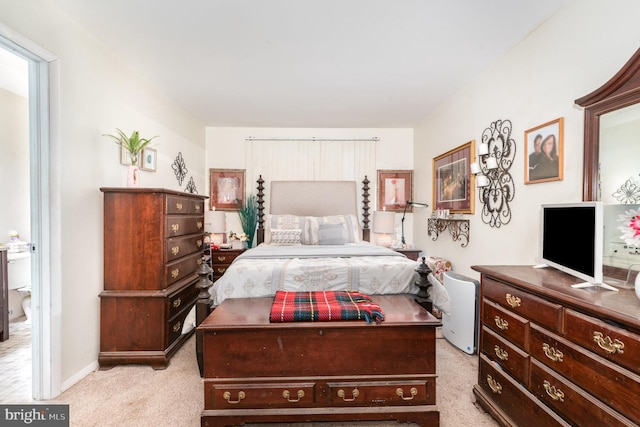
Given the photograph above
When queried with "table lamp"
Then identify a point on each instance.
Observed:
(215, 224)
(384, 223)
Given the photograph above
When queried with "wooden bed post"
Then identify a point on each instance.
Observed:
(366, 232)
(260, 201)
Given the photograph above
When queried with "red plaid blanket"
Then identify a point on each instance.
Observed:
(322, 306)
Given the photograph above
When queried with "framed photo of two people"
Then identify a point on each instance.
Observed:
(543, 157)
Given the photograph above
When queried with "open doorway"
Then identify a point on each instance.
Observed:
(40, 212)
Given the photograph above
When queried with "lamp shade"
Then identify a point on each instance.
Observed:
(384, 222)
(215, 222)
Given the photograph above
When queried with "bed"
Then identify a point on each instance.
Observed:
(255, 370)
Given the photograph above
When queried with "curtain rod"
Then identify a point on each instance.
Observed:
(251, 138)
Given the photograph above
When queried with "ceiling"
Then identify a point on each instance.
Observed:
(310, 63)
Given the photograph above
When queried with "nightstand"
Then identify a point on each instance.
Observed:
(410, 253)
(221, 259)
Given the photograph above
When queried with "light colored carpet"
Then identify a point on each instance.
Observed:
(139, 396)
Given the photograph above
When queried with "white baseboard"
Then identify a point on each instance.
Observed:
(79, 376)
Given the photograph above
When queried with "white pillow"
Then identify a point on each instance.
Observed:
(286, 222)
(349, 222)
(286, 237)
(332, 234)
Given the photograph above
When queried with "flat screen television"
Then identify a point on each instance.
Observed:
(572, 239)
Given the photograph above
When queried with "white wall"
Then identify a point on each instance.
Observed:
(225, 150)
(571, 54)
(97, 93)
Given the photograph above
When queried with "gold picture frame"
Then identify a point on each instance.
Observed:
(453, 182)
(226, 188)
(395, 189)
(544, 152)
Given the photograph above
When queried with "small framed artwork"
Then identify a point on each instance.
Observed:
(543, 157)
(453, 183)
(125, 157)
(149, 159)
(395, 189)
(227, 189)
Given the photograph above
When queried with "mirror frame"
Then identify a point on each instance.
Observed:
(622, 90)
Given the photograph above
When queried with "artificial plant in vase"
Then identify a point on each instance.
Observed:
(134, 146)
(249, 217)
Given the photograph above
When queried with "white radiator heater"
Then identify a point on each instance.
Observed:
(460, 326)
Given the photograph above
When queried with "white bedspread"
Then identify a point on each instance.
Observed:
(362, 267)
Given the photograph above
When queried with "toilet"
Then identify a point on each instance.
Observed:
(19, 275)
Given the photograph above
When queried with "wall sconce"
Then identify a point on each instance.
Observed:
(410, 203)
(384, 223)
(215, 225)
(495, 185)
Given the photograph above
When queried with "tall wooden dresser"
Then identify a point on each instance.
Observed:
(153, 246)
(553, 355)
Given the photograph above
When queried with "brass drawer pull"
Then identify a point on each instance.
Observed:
(222, 258)
(354, 393)
(552, 353)
(177, 302)
(199, 225)
(221, 270)
(179, 206)
(198, 207)
(287, 395)
(175, 227)
(500, 353)
(412, 390)
(199, 261)
(502, 324)
(175, 250)
(198, 243)
(494, 385)
(177, 327)
(607, 344)
(553, 392)
(513, 301)
(175, 273)
(227, 396)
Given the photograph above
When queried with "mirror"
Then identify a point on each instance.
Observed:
(611, 133)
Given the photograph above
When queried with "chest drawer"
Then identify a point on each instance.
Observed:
(181, 246)
(608, 341)
(617, 387)
(520, 405)
(505, 323)
(578, 407)
(507, 355)
(182, 298)
(182, 268)
(181, 225)
(382, 393)
(184, 205)
(533, 308)
(224, 258)
(258, 395)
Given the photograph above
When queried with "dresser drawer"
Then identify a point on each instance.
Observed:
(511, 358)
(613, 343)
(183, 297)
(537, 309)
(258, 395)
(520, 405)
(184, 205)
(175, 323)
(182, 225)
(382, 393)
(505, 323)
(576, 406)
(182, 268)
(616, 386)
(181, 246)
(224, 257)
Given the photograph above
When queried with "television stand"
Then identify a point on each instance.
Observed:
(594, 285)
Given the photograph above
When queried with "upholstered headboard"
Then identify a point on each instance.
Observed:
(314, 198)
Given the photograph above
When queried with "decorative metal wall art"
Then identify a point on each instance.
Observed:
(496, 188)
(458, 228)
(191, 187)
(179, 168)
(628, 193)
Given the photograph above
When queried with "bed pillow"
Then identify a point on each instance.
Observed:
(286, 222)
(349, 222)
(286, 237)
(332, 234)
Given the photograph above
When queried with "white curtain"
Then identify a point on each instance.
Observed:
(324, 160)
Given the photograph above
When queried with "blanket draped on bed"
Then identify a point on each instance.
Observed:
(322, 306)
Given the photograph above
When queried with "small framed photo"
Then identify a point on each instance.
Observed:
(149, 159)
(395, 189)
(453, 182)
(227, 189)
(543, 157)
(125, 157)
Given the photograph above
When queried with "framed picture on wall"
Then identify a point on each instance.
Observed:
(227, 189)
(149, 159)
(125, 157)
(395, 188)
(453, 183)
(543, 157)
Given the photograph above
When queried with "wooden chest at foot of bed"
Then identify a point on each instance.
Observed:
(256, 371)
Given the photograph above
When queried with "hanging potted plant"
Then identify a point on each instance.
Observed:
(134, 146)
